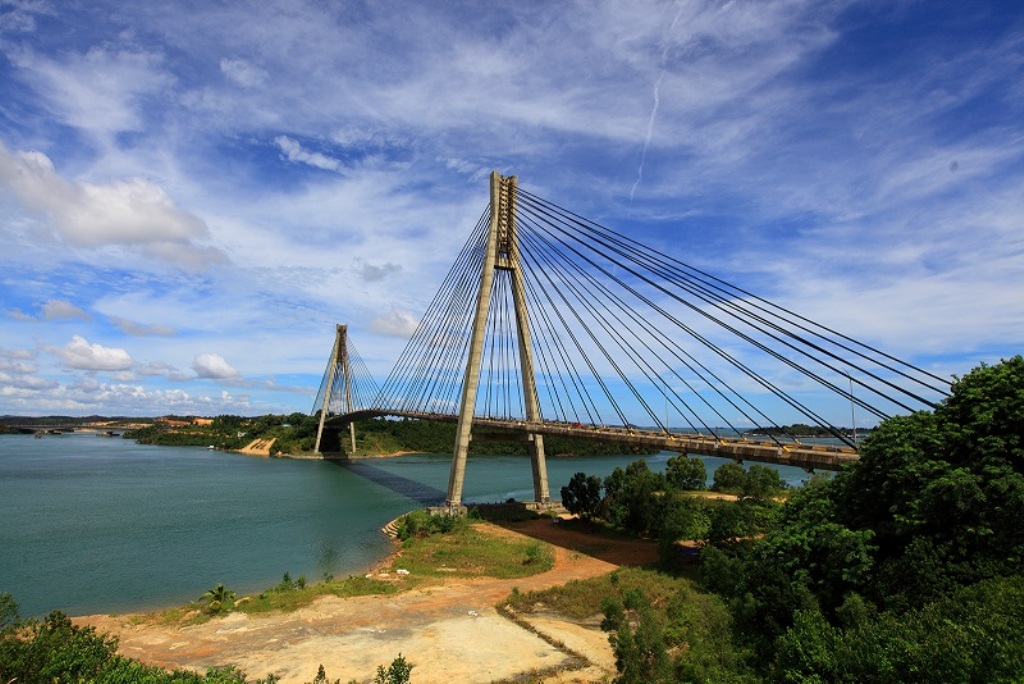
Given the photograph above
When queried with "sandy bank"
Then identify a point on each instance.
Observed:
(258, 447)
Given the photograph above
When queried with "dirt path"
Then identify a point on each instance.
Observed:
(449, 631)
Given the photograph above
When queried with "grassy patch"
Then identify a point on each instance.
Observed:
(581, 599)
(506, 513)
(180, 616)
(468, 551)
(286, 599)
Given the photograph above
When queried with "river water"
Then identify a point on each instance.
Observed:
(92, 524)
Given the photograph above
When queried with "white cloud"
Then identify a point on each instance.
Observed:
(25, 382)
(17, 363)
(372, 274)
(133, 213)
(17, 354)
(395, 323)
(295, 152)
(100, 91)
(58, 309)
(214, 367)
(162, 369)
(19, 16)
(80, 354)
(137, 329)
(474, 170)
(243, 73)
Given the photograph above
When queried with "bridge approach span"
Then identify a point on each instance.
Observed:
(807, 456)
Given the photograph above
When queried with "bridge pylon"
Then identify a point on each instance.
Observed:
(502, 253)
(339, 364)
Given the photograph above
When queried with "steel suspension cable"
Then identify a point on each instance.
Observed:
(619, 304)
(710, 282)
(743, 367)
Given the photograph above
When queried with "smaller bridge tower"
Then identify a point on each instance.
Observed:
(337, 367)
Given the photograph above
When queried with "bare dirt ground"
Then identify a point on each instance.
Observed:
(258, 447)
(449, 630)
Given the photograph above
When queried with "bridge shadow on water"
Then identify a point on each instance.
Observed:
(421, 493)
(576, 537)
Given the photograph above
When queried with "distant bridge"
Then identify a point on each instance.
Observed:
(550, 324)
(52, 428)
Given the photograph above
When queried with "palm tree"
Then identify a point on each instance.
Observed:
(218, 598)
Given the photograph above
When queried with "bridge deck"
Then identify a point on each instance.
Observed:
(807, 456)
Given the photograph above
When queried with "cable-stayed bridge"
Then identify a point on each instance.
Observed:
(551, 324)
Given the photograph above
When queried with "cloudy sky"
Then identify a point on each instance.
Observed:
(193, 193)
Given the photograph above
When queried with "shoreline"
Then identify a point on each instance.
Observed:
(450, 629)
(151, 609)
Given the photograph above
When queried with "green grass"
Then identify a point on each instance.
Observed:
(289, 599)
(506, 513)
(469, 552)
(581, 599)
(281, 597)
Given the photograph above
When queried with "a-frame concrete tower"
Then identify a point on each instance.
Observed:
(337, 364)
(502, 253)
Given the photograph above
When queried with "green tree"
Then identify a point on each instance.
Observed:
(638, 639)
(868, 576)
(398, 672)
(582, 496)
(972, 635)
(685, 518)
(634, 499)
(686, 473)
(217, 599)
(762, 482)
(729, 477)
(9, 612)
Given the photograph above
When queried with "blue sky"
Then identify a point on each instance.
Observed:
(192, 194)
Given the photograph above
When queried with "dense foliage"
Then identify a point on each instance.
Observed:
(804, 430)
(292, 434)
(904, 566)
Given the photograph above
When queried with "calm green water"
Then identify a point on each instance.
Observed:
(91, 524)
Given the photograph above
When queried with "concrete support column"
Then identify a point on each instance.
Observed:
(332, 369)
(476, 347)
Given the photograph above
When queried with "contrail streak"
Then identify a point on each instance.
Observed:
(654, 111)
(647, 140)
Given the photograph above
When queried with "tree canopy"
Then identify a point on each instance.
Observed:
(919, 543)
